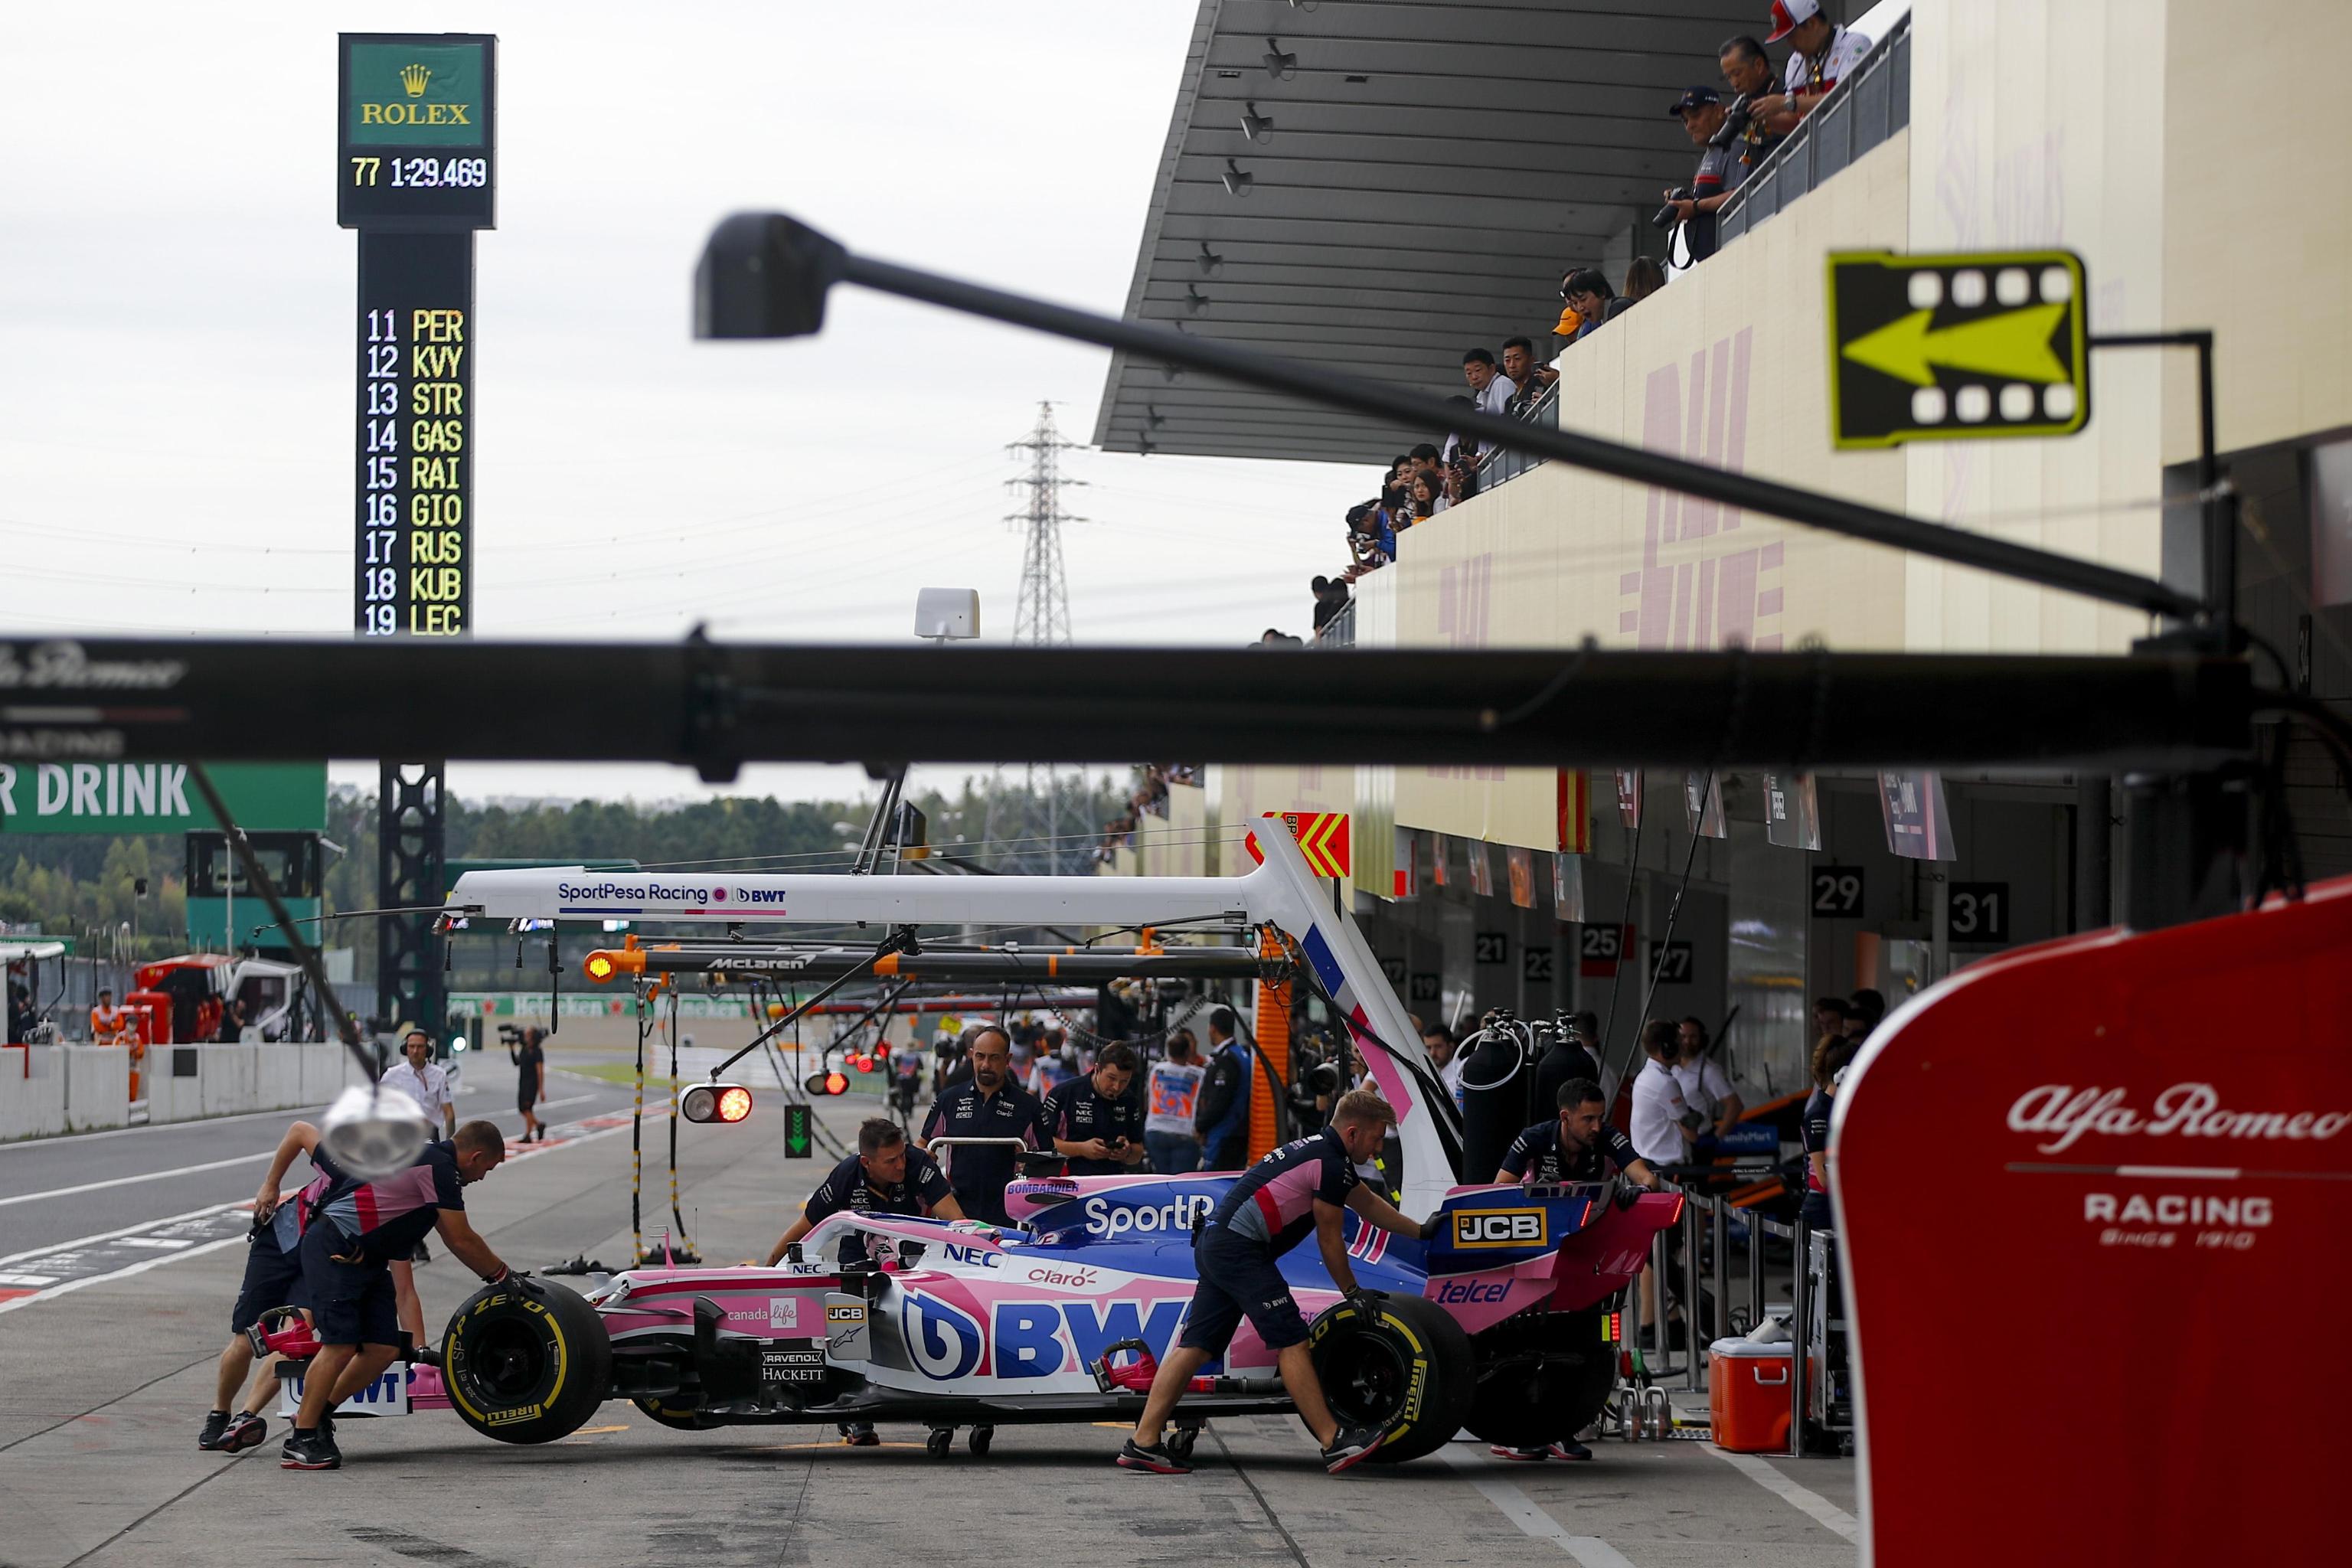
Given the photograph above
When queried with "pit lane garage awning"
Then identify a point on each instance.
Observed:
(1426, 172)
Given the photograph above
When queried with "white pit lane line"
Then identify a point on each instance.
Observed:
(143, 1176)
(1824, 1511)
(1589, 1551)
(50, 1292)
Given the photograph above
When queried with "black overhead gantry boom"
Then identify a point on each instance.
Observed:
(1049, 966)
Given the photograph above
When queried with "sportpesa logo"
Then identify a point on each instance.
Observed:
(637, 893)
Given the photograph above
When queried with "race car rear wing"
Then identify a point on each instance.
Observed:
(1282, 891)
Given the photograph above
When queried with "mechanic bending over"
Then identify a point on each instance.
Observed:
(347, 1254)
(1299, 1187)
(1093, 1120)
(1579, 1145)
(985, 1105)
(273, 1277)
(885, 1176)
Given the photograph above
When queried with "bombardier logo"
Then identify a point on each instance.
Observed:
(1500, 1228)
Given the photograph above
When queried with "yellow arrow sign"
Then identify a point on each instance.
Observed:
(2012, 347)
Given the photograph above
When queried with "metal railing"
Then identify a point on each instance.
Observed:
(1499, 467)
(1340, 631)
(1859, 113)
(1804, 1379)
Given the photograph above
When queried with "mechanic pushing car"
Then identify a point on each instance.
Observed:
(1092, 1119)
(273, 1277)
(347, 1253)
(988, 1104)
(885, 1176)
(1299, 1187)
(1578, 1145)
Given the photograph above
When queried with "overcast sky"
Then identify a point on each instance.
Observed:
(177, 332)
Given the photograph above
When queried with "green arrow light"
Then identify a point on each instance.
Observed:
(2014, 346)
(797, 1142)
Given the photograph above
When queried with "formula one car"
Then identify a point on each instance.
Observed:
(1493, 1325)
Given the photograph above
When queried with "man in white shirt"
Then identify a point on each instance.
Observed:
(424, 1080)
(1490, 389)
(1659, 1108)
(1821, 54)
(1707, 1087)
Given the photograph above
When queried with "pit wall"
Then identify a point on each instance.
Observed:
(45, 1090)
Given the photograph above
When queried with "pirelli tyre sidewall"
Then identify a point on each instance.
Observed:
(526, 1368)
(1405, 1367)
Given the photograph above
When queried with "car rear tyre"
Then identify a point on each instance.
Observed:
(1542, 1378)
(675, 1418)
(526, 1367)
(1403, 1368)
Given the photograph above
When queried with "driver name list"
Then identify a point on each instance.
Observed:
(415, 488)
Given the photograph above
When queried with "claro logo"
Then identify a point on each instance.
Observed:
(2064, 1115)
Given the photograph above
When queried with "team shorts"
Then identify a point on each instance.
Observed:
(1238, 1280)
(273, 1277)
(351, 1303)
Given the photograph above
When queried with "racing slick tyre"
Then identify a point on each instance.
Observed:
(1542, 1377)
(526, 1363)
(1404, 1368)
(674, 1417)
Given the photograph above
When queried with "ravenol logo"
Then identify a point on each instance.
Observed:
(1501, 1228)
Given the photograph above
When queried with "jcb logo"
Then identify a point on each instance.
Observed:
(844, 1314)
(1499, 1227)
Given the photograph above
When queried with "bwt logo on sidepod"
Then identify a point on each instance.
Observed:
(759, 896)
(1106, 1221)
(1500, 1228)
(943, 1342)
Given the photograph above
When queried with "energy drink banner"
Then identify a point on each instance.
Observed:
(157, 797)
(2124, 1200)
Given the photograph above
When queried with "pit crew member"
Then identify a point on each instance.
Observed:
(346, 1269)
(1223, 1116)
(1707, 1087)
(417, 1076)
(1093, 1120)
(885, 1176)
(273, 1277)
(988, 1104)
(1300, 1187)
(1579, 1145)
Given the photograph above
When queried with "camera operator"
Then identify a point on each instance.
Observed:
(1691, 208)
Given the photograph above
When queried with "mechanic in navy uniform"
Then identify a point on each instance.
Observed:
(988, 1104)
(1093, 1120)
(1299, 1189)
(273, 1277)
(1579, 1145)
(886, 1176)
(1221, 1117)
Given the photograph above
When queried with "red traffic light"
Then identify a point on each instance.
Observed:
(725, 1102)
(870, 1062)
(826, 1083)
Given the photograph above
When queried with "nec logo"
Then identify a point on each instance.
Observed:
(1499, 1227)
(1470, 1293)
(978, 1257)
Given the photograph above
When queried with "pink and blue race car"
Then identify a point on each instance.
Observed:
(1497, 1324)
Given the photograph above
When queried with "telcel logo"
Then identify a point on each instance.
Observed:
(1472, 1292)
(1500, 1228)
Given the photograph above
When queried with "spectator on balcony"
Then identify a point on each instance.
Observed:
(1494, 390)
(1587, 293)
(1330, 598)
(1532, 380)
(1720, 171)
(1643, 277)
(1821, 53)
(1429, 496)
(1748, 73)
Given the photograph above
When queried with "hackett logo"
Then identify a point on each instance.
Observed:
(2066, 1115)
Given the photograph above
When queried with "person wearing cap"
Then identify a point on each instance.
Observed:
(1821, 54)
(1700, 109)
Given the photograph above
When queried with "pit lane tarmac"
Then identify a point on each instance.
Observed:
(102, 1391)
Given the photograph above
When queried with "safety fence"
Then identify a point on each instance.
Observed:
(45, 1090)
(1812, 1311)
(1863, 111)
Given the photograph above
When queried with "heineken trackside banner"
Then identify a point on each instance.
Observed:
(158, 797)
(588, 1005)
(422, 94)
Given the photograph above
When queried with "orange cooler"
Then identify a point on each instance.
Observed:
(1747, 1396)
